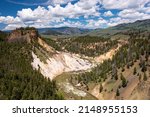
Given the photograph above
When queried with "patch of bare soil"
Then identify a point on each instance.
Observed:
(96, 93)
(107, 55)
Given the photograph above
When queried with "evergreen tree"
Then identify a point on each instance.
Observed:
(117, 92)
(140, 77)
(145, 77)
(134, 71)
(124, 81)
(100, 88)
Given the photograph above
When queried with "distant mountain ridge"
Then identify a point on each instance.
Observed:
(137, 25)
(64, 31)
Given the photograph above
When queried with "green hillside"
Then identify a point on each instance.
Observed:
(138, 25)
(18, 80)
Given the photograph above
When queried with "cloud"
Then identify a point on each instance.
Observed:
(144, 9)
(9, 20)
(123, 4)
(73, 11)
(40, 2)
(117, 20)
(96, 23)
(128, 15)
(32, 15)
(58, 2)
(133, 14)
(88, 4)
(81, 13)
(69, 11)
(28, 2)
(13, 26)
(148, 4)
(45, 16)
(108, 14)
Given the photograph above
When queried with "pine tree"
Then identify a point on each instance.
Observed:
(117, 92)
(140, 77)
(124, 81)
(100, 88)
(145, 77)
(143, 65)
(134, 71)
(122, 69)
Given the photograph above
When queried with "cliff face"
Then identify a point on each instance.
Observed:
(59, 63)
(45, 46)
(46, 59)
(23, 35)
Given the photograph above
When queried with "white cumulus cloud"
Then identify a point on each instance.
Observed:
(56, 2)
(123, 4)
(133, 14)
(82, 13)
(108, 14)
(96, 23)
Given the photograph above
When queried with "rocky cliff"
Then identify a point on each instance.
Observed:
(46, 59)
(59, 63)
(23, 35)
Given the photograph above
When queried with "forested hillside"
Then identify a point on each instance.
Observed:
(132, 60)
(2, 36)
(18, 80)
(90, 46)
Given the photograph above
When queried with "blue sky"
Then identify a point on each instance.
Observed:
(71, 13)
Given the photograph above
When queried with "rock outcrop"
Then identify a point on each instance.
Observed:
(59, 63)
(56, 63)
(23, 35)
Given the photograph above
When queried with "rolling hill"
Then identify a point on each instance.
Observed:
(63, 31)
(137, 25)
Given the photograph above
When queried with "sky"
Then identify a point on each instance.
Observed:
(71, 13)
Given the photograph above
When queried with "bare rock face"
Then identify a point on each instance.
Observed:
(59, 63)
(23, 35)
